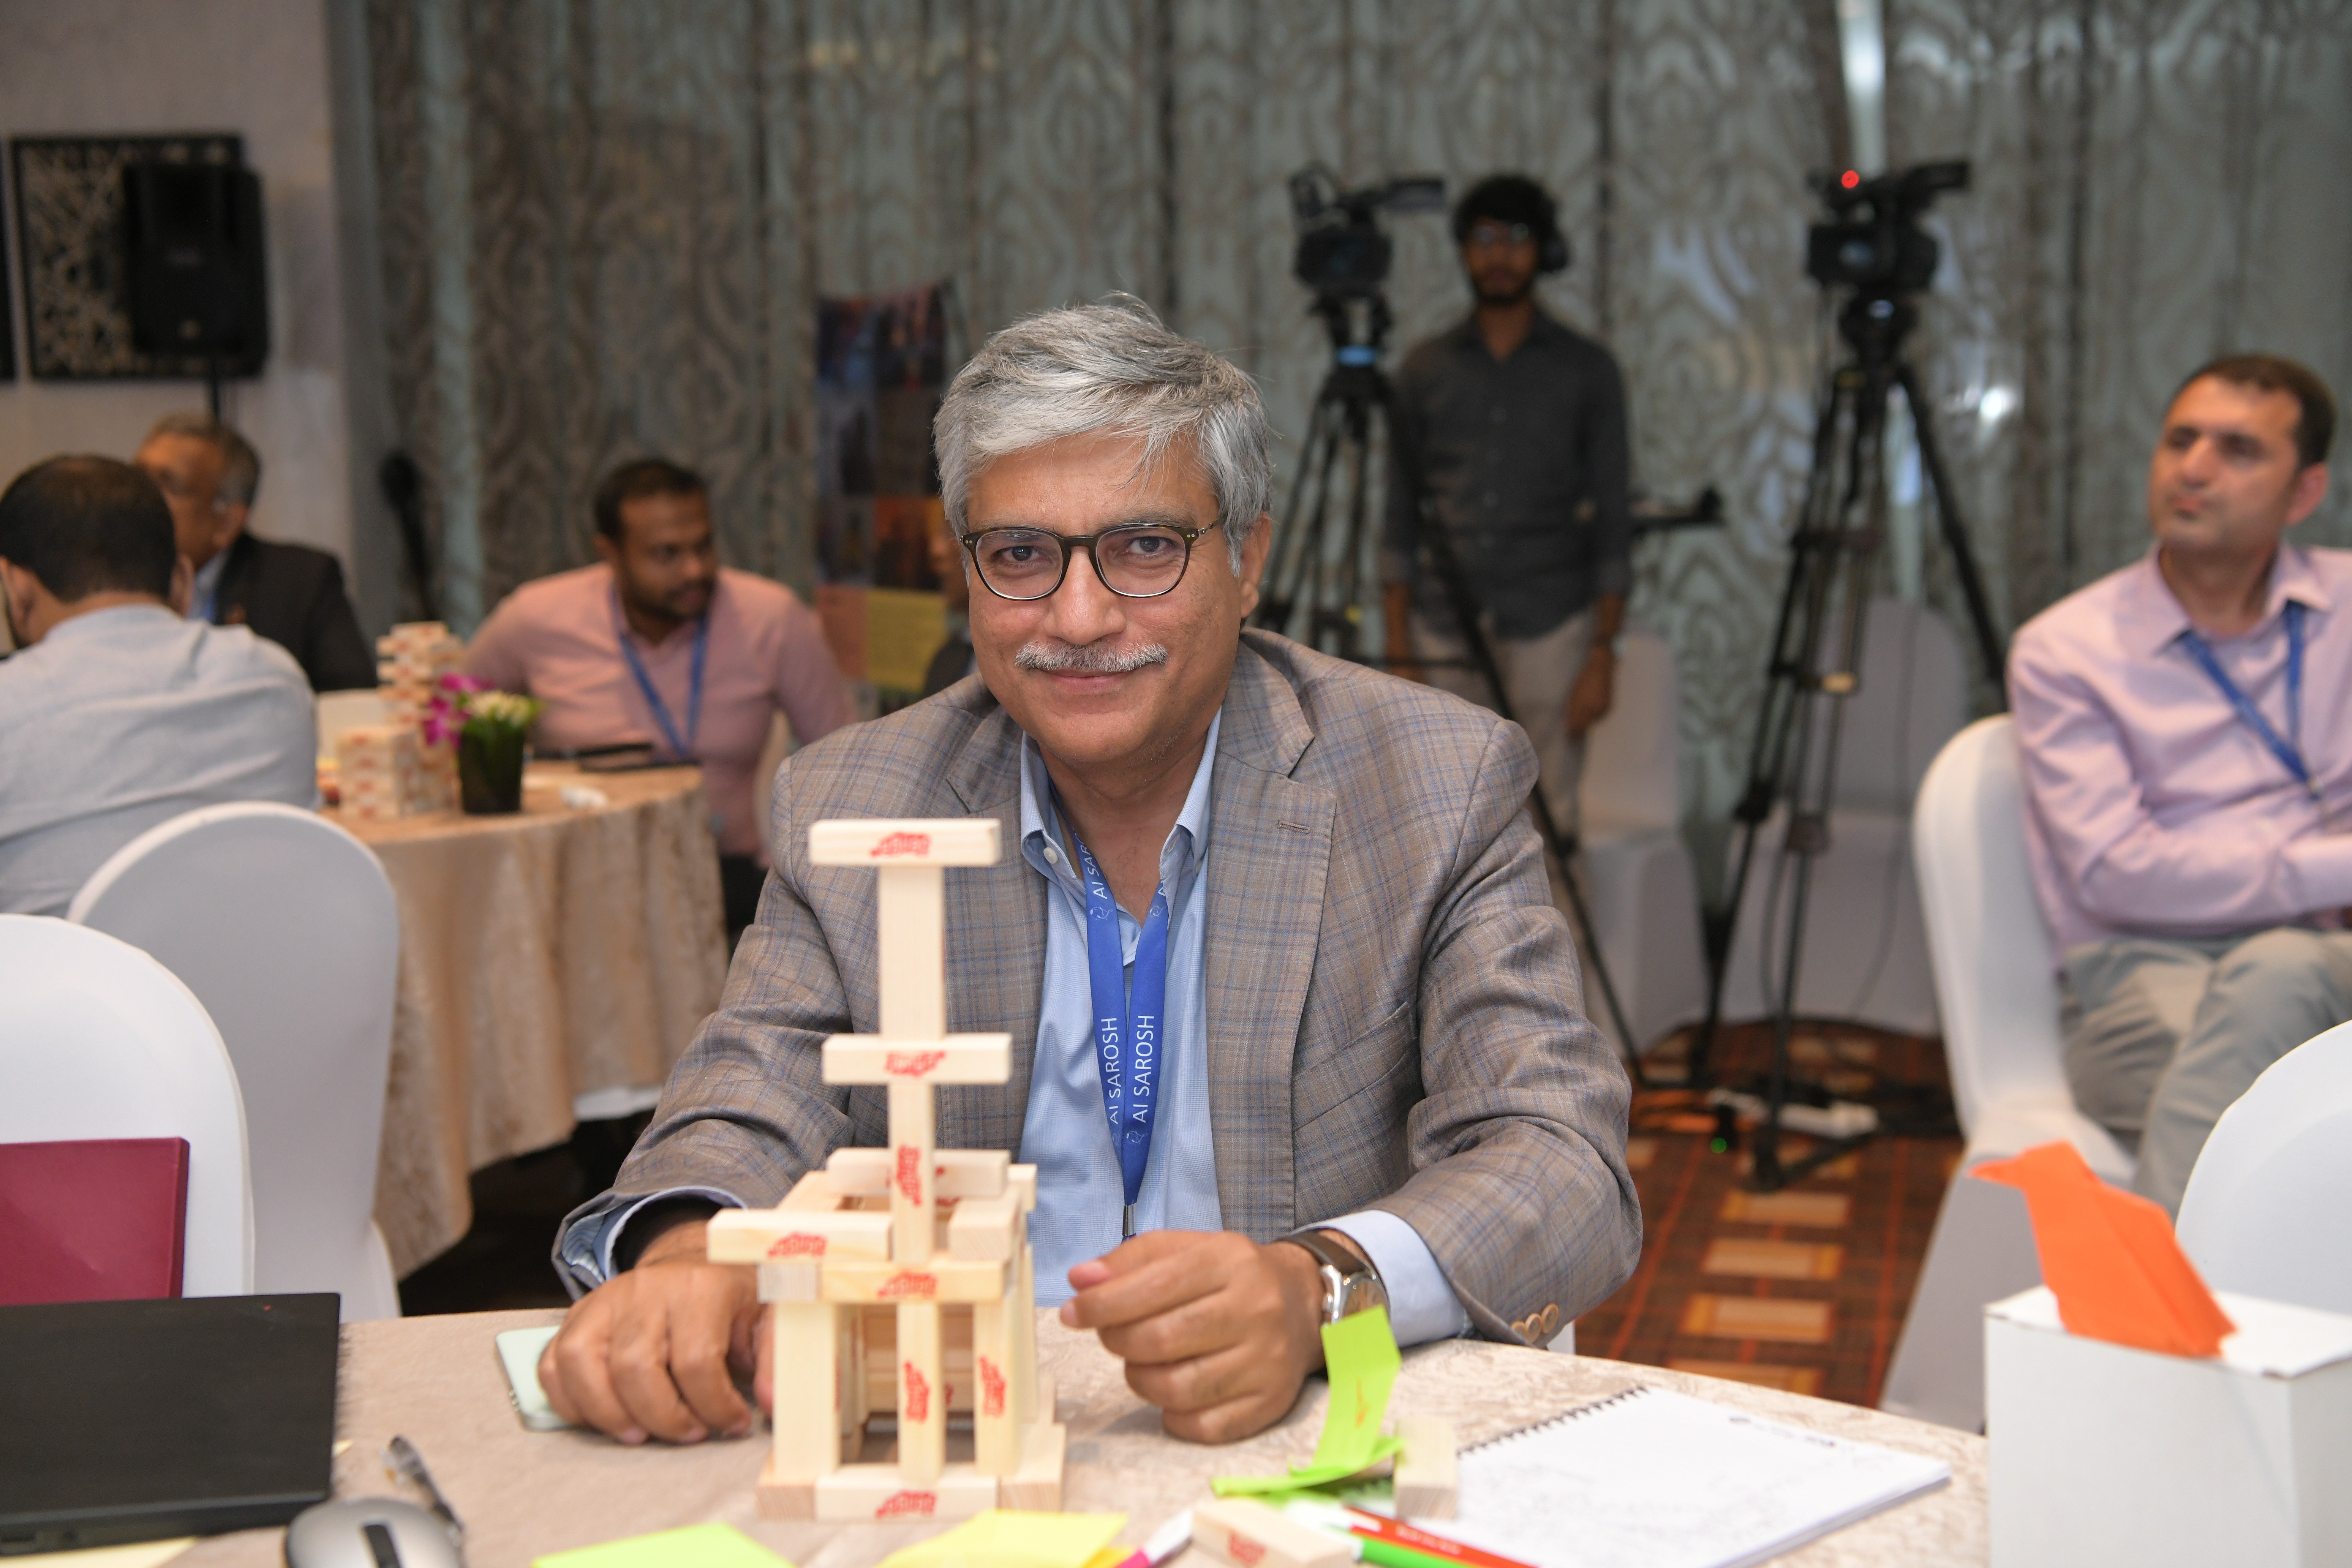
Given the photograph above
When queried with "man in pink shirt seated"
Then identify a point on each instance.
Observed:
(661, 646)
(2188, 747)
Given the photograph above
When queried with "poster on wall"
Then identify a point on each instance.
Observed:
(881, 366)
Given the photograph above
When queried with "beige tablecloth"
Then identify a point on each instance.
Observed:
(542, 956)
(435, 1381)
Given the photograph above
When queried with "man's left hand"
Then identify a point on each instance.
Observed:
(1216, 1329)
(1588, 700)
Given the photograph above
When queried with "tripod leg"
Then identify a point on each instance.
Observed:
(1955, 534)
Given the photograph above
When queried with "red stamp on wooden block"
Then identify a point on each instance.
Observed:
(909, 1285)
(992, 1387)
(910, 1173)
(909, 1505)
(911, 1064)
(1244, 1551)
(918, 1393)
(799, 1244)
(895, 844)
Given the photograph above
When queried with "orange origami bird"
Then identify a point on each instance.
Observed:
(2110, 1258)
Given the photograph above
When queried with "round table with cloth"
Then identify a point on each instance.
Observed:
(567, 950)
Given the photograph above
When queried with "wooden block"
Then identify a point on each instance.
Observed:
(858, 1493)
(1023, 1181)
(812, 1192)
(779, 1235)
(1033, 1393)
(957, 1173)
(922, 1394)
(789, 1282)
(932, 841)
(910, 952)
(996, 1426)
(781, 1499)
(1245, 1532)
(803, 1341)
(1424, 1471)
(891, 1284)
(850, 1369)
(1049, 1406)
(949, 1058)
(1036, 1486)
(914, 1175)
(986, 1230)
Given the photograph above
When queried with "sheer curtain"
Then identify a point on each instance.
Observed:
(605, 224)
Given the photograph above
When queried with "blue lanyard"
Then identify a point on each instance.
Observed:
(1129, 1032)
(2287, 749)
(680, 747)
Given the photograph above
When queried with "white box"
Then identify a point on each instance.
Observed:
(2105, 1454)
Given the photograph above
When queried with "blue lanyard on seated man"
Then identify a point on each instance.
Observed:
(2287, 749)
(680, 746)
(1128, 1030)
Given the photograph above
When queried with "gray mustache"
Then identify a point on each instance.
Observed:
(1063, 658)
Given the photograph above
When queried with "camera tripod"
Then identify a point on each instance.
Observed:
(1322, 577)
(1816, 653)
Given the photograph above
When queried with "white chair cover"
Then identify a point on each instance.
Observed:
(284, 926)
(2265, 1212)
(1996, 972)
(1865, 957)
(98, 1040)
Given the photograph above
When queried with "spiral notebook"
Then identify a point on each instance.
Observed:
(1650, 1479)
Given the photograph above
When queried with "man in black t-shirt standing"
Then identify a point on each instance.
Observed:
(1515, 426)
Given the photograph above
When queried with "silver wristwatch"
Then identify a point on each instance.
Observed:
(1348, 1286)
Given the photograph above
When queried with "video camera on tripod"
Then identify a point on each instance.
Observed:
(1883, 251)
(1344, 254)
(1875, 251)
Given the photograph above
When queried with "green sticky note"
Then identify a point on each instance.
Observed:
(1008, 1538)
(1359, 1356)
(696, 1546)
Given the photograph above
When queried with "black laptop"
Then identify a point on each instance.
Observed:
(144, 1420)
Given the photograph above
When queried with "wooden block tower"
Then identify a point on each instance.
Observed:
(898, 1280)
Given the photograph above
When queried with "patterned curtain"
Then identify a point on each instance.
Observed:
(606, 224)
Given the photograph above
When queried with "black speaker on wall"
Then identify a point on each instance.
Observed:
(194, 277)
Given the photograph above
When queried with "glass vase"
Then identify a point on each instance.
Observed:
(490, 769)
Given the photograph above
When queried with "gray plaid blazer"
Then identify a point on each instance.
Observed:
(1395, 1012)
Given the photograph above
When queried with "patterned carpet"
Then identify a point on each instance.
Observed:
(1802, 1289)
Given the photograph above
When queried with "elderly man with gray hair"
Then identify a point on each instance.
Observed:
(289, 594)
(1377, 1084)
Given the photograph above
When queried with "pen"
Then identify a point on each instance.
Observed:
(1166, 1543)
(1398, 1532)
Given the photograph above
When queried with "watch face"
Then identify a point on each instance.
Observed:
(1362, 1294)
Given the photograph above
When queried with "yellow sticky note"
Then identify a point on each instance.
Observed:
(1006, 1537)
(1359, 1356)
(696, 1546)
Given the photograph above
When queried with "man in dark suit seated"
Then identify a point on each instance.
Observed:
(290, 594)
(1375, 1083)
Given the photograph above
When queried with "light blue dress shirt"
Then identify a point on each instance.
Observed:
(1066, 1134)
(203, 591)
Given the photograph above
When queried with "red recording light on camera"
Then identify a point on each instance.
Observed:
(1850, 179)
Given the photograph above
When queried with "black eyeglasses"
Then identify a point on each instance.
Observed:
(1135, 561)
(1492, 236)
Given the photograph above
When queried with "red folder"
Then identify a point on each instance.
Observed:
(99, 1221)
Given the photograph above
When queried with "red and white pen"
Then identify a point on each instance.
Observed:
(1166, 1542)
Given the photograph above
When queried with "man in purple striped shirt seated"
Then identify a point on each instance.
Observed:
(2188, 748)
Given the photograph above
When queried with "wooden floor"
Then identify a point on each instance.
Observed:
(1804, 1288)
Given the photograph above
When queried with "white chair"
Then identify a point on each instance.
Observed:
(2265, 1214)
(284, 927)
(1866, 956)
(1637, 875)
(98, 1040)
(1996, 972)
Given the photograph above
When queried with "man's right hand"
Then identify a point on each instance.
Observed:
(657, 1350)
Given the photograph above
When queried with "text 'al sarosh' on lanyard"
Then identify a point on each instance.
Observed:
(1129, 1028)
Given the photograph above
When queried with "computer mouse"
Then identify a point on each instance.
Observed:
(369, 1532)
